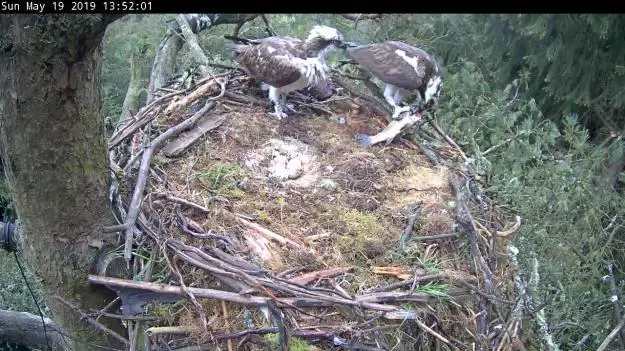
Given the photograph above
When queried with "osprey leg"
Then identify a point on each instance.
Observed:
(276, 99)
(390, 94)
(289, 107)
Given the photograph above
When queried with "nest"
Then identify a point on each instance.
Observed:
(275, 233)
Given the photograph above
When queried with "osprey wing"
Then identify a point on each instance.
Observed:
(393, 63)
(271, 62)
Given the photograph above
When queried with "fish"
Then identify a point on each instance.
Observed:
(392, 130)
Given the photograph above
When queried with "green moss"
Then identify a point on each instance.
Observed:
(364, 235)
(221, 177)
(295, 344)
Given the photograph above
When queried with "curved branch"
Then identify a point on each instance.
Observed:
(26, 329)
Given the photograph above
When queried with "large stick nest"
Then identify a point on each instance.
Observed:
(260, 226)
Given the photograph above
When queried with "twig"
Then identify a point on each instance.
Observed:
(245, 99)
(514, 229)
(616, 298)
(611, 336)
(268, 233)
(464, 219)
(309, 277)
(187, 203)
(415, 212)
(539, 316)
(200, 309)
(120, 316)
(370, 301)
(435, 334)
(435, 237)
(408, 282)
(93, 322)
(268, 27)
(135, 205)
(446, 137)
(224, 310)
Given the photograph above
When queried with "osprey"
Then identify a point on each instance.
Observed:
(404, 69)
(286, 64)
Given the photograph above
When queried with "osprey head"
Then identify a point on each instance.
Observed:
(327, 34)
(434, 86)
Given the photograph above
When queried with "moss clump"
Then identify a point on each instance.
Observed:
(295, 344)
(221, 177)
(365, 235)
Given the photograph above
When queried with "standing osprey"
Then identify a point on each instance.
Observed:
(286, 64)
(404, 69)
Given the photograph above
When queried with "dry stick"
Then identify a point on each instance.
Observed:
(464, 219)
(129, 129)
(135, 205)
(611, 336)
(446, 137)
(92, 321)
(268, 233)
(245, 99)
(260, 284)
(616, 297)
(415, 212)
(137, 123)
(436, 335)
(435, 237)
(408, 282)
(309, 277)
(187, 203)
(367, 302)
(102, 312)
(121, 316)
(173, 268)
(225, 312)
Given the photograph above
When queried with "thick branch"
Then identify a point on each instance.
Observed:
(27, 329)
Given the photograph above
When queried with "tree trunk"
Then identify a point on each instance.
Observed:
(55, 156)
(26, 329)
(132, 101)
(194, 47)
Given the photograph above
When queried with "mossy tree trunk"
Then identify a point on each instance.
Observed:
(55, 155)
(132, 101)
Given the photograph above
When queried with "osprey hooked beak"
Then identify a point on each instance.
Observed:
(343, 45)
(339, 44)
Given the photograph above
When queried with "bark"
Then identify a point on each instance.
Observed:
(27, 330)
(611, 174)
(55, 156)
(132, 101)
(194, 47)
(163, 67)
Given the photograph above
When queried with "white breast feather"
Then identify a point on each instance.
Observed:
(433, 85)
(312, 69)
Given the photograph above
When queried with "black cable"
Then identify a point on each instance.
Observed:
(45, 331)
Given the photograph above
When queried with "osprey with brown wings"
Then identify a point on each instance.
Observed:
(404, 69)
(286, 64)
